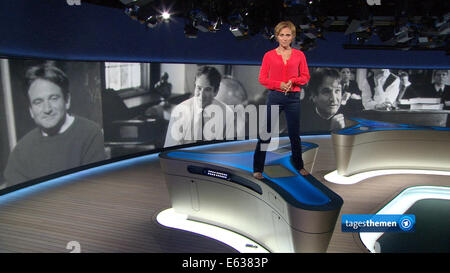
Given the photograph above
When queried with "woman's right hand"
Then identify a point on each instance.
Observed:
(286, 86)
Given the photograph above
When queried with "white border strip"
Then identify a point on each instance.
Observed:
(400, 204)
(336, 178)
(172, 219)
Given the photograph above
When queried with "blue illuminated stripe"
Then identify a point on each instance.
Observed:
(56, 182)
(373, 126)
(73, 177)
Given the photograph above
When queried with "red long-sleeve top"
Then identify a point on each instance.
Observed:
(274, 71)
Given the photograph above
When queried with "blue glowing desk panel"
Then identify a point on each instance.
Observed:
(284, 212)
(369, 145)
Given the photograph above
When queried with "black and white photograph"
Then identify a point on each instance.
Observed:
(391, 95)
(54, 122)
(114, 109)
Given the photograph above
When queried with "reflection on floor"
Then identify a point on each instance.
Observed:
(115, 210)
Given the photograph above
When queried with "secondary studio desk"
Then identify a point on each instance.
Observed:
(411, 117)
(284, 212)
(369, 145)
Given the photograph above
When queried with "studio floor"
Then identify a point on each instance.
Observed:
(114, 210)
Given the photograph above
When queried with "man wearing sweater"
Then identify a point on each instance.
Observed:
(60, 141)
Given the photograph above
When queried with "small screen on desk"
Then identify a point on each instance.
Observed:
(216, 174)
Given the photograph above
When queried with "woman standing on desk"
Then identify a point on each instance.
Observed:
(283, 71)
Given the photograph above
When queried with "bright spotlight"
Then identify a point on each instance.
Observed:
(165, 15)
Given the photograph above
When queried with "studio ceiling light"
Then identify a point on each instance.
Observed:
(400, 25)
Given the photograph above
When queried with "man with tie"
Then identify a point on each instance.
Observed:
(438, 88)
(189, 119)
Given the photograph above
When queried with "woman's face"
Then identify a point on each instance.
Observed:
(285, 37)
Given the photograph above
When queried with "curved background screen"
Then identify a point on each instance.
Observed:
(112, 110)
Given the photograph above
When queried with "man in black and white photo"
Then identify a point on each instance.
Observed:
(350, 90)
(407, 90)
(438, 88)
(60, 140)
(189, 119)
(324, 112)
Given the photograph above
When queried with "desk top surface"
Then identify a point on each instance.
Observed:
(279, 173)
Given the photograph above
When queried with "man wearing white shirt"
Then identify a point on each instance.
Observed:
(201, 117)
(381, 90)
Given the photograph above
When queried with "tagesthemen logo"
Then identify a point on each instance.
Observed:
(407, 223)
(378, 222)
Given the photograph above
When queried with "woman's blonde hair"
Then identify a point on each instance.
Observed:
(285, 24)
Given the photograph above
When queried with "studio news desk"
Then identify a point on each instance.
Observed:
(369, 145)
(412, 117)
(284, 212)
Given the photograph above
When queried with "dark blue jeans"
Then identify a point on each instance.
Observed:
(290, 104)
